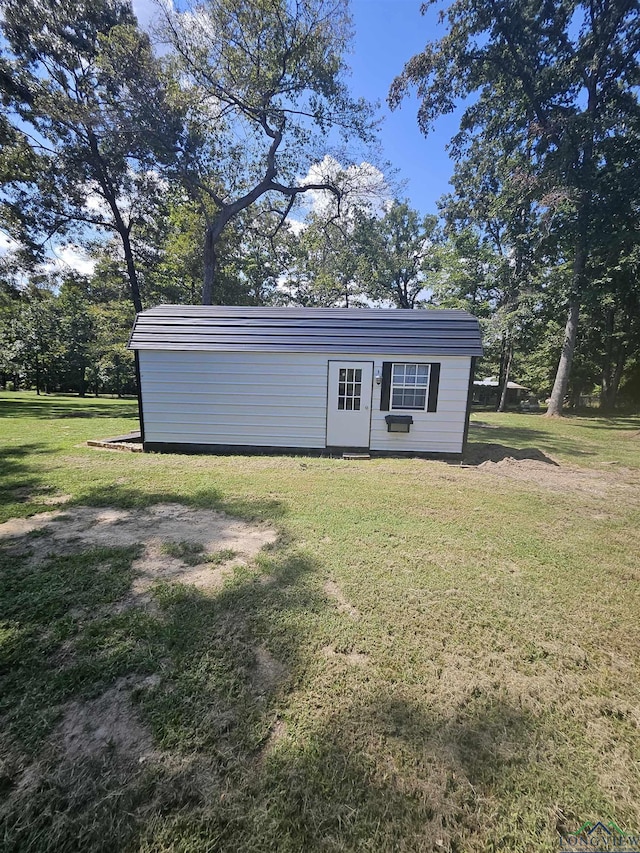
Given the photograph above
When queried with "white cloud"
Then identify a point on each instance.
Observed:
(363, 187)
(7, 244)
(59, 259)
(95, 205)
(146, 11)
(70, 257)
(149, 14)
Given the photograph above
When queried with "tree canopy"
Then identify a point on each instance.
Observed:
(264, 87)
(88, 120)
(554, 80)
(235, 166)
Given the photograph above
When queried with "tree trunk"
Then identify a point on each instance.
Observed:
(617, 376)
(566, 357)
(502, 405)
(563, 373)
(210, 264)
(502, 368)
(131, 269)
(621, 360)
(580, 258)
(110, 195)
(605, 394)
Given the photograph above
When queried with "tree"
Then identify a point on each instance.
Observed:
(494, 193)
(248, 264)
(322, 263)
(77, 332)
(88, 117)
(264, 88)
(34, 337)
(560, 76)
(397, 253)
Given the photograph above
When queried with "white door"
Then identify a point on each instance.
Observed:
(349, 403)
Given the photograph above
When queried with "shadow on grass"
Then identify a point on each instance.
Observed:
(124, 497)
(65, 407)
(226, 771)
(372, 770)
(383, 773)
(478, 452)
(65, 638)
(19, 480)
(519, 438)
(629, 423)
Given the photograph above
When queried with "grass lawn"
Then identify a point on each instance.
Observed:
(428, 658)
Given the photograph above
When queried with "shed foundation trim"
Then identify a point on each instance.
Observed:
(244, 449)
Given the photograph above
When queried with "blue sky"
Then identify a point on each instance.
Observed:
(388, 33)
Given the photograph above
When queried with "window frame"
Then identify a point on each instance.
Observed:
(393, 385)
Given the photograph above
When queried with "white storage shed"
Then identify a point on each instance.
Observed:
(234, 379)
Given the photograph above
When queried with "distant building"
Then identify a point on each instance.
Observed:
(485, 392)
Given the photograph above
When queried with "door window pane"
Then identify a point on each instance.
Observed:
(350, 389)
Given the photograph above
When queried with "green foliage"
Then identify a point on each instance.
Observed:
(68, 335)
(89, 122)
(272, 74)
(548, 130)
(248, 266)
(398, 255)
(322, 264)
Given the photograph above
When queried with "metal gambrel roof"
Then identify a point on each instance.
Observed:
(238, 329)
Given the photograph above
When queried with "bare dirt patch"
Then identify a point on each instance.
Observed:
(17, 527)
(56, 500)
(108, 724)
(117, 528)
(268, 672)
(563, 479)
(42, 496)
(333, 591)
(211, 533)
(478, 454)
(352, 658)
(156, 566)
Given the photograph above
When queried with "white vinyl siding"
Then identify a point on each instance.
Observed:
(256, 399)
(441, 431)
(280, 400)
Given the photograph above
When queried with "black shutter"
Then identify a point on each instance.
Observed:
(385, 390)
(434, 384)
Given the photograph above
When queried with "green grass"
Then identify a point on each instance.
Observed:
(193, 553)
(478, 692)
